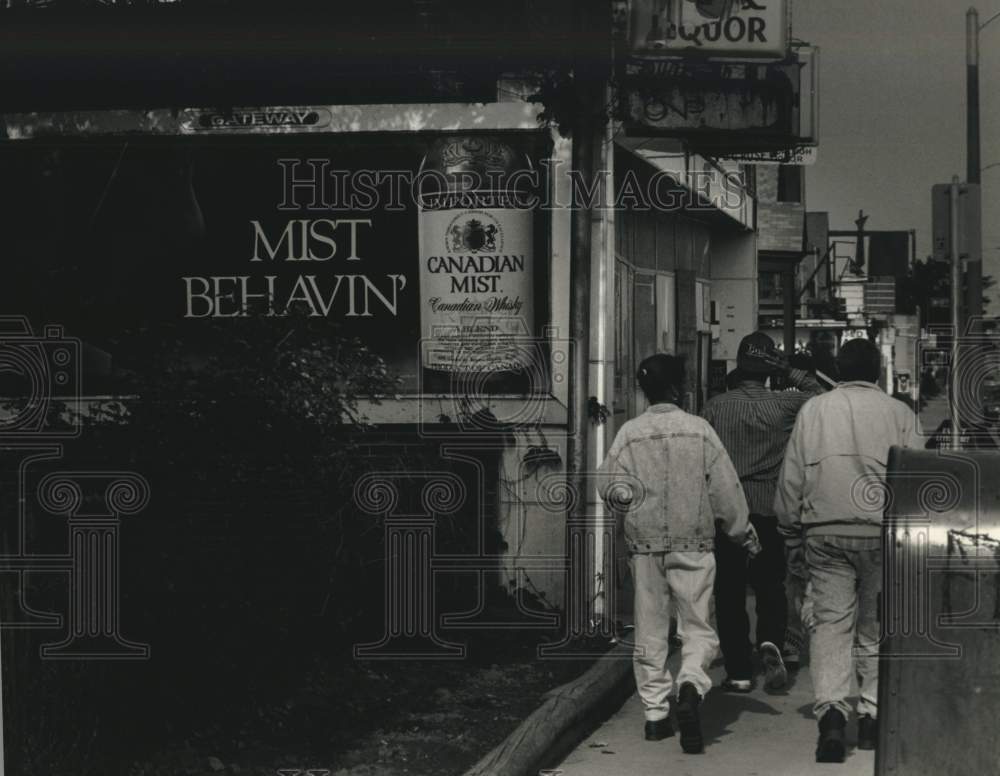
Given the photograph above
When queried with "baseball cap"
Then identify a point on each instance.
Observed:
(754, 350)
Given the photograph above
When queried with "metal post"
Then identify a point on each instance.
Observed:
(579, 305)
(788, 276)
(591, 71)
(602, 370)
(956, 303)
(974, 267)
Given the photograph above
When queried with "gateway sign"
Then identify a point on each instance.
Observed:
(739, 29)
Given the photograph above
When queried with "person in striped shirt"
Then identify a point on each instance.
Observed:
(754, 424)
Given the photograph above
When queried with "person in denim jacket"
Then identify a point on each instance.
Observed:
(668, 472)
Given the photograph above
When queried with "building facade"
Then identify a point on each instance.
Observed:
(466, 294)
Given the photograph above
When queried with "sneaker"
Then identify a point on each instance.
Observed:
(737, 685)
(688, 719)
(792, 657)
(832, 745)
(775, 673)
(867, 732)
(657, 730)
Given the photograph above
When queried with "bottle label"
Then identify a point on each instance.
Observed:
(477, 287)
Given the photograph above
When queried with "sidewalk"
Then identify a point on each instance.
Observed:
(759, 734)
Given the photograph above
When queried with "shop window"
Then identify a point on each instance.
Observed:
(646, 241)
(646, 326)
(666, 252)
(789, 183)
(750, 179)
(770, 287)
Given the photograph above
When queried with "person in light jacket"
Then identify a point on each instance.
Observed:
(669, 474)
(829, 502)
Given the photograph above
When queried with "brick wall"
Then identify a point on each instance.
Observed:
(781, 225)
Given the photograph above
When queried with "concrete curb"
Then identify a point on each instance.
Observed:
(566, 716)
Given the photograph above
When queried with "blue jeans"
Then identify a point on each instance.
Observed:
(846, 580)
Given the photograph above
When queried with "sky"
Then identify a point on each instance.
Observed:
(892, 112)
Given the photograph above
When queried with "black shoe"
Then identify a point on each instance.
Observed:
(688, 720)
(658, 730)
(832, 745)
(775, 673)
(791, 657)
(867, 732)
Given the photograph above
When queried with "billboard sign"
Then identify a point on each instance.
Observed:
(756, 112)
(728, 29)
(713, 97)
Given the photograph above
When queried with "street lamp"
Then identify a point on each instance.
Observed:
(974, 269)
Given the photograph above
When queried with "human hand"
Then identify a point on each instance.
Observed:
(777, 361)
(752, 542)
(795, 558)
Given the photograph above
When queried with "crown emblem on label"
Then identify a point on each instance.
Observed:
(474, 150)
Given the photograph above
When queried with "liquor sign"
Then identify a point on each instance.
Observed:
(735, 29)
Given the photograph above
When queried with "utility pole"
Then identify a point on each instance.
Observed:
(956, 315)
(974, 267)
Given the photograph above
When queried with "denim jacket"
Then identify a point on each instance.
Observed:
(668, 471)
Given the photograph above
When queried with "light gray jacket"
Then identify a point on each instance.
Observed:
(832, 480)
(668, 471)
